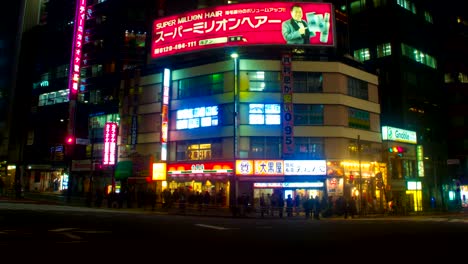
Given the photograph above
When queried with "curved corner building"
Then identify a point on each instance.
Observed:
(232, 110)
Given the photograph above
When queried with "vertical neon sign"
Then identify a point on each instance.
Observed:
(75, 62)
(164, 113)
(288, 111)
(110, 143)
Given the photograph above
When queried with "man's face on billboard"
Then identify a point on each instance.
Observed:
(296, 13)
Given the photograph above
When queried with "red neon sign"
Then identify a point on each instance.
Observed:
(78, 38)
(200, 168)
(110, 143)
(239, 24)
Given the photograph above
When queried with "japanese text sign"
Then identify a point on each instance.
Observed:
(238, 24)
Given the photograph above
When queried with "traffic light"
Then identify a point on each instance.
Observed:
(398, 150)
(70, 140)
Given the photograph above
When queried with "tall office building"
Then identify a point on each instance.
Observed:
(454, 23)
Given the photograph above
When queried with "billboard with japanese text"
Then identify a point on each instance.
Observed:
(272, 23)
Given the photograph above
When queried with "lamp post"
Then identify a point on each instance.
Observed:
(235, 58)
(360, 173)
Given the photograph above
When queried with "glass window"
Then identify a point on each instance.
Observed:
(199, 150)
(428, 17)
(357, 6)
(358, 118)
(264, 81)
(53, 97)
(307, 82)
(408, 5)
(362, 54)
(265, 147)
(418, 56)
(201, 86)
(264, 114)
(384, 50)
(357, 88)
(204, 116)
(305, 114)
(308, 148)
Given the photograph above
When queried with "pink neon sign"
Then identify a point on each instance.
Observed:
(110, 143)
(75, 63)
(239, 24)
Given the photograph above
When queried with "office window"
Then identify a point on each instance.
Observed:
(305, 114)
(428, 17)
(53, 98)
(358, 118)
(362, 54)
(418, 56)
(408, 5)
(357, 88)
(264, 114)
(265, 148)
(197, 117)
(357, 6)
(307, 82)
(264, 81)
(201, 86)
(309, 148)
(384, 50)
(199, 150)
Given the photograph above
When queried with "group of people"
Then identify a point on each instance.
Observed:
(275, 203)
(310, 207)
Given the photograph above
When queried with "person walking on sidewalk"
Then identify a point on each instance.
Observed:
(289, 206)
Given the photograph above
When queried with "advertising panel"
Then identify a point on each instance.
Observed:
(110, 143)
(272, 23)
(75, 63)
(200, 168)
(398, 135)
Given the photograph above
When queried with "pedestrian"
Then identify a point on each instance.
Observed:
(262, 205)
(280, 205)
(289, 205)
(306, 204)
(297, 204)
(317, 208)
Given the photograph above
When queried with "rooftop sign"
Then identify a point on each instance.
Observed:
(244, 24)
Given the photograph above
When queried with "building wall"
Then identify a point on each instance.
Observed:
(335, 130)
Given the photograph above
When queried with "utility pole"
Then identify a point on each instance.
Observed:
(360, 173)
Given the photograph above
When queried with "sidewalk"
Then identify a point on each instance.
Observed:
(215, 211)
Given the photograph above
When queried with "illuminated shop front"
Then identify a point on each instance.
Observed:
(201, 177)
(405, 161)
(303, 178)
(372, 185)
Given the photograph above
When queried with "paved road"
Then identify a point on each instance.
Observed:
(112, 235)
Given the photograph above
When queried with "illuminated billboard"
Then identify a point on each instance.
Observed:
(110, 143)
(399, 135)
(272, 23)
(75, 63)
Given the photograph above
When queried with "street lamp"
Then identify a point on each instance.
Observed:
(235, 98)
(360, 174)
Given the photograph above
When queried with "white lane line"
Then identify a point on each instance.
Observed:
(94, 232)
(212, 227)
(72, 236)
(62, 229)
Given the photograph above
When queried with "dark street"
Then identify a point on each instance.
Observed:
(147, 235)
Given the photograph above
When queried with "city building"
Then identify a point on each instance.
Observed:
(358, 76)
(278, 120)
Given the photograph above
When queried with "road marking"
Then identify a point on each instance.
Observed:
(62, 229)
(72, 236)
(212, 227)
(93, 232)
